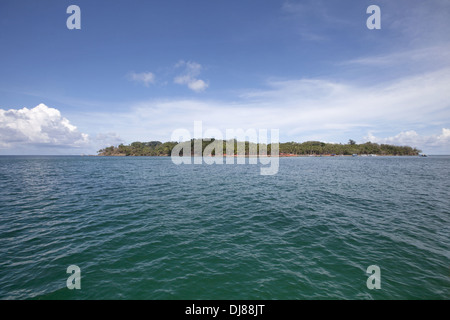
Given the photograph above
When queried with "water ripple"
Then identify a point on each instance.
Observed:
(143, 228)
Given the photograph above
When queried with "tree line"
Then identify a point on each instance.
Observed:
(157, 148)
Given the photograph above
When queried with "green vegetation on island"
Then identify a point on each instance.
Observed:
(322, 148)
(314, 148)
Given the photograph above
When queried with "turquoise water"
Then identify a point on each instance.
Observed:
(144, 228)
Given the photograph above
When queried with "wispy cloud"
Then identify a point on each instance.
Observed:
(317, 9)
(145, 78)
(305, 108)
(313, 18)
(107, 139)
(436, 55)
(419, 22)
(190, 75)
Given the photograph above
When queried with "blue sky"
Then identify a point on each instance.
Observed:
(138, 70)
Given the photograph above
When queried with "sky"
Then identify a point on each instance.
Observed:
(139, 70)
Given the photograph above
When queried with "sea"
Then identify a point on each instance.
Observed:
(146, 228)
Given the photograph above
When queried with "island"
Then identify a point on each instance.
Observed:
(286, 149)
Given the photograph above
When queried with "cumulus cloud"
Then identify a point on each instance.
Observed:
(412, 138)
(189, 76)
(146, 78)
(38, 126)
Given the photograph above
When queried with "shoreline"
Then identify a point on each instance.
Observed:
(265, 156)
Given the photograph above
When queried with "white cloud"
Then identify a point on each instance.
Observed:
(145, 78)
(312, 19)
(329, 110)
(412, 138)
(38, 126)
(197, 85)
(189, 76)
(108, 139)
(436, 55)
(303, 109)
